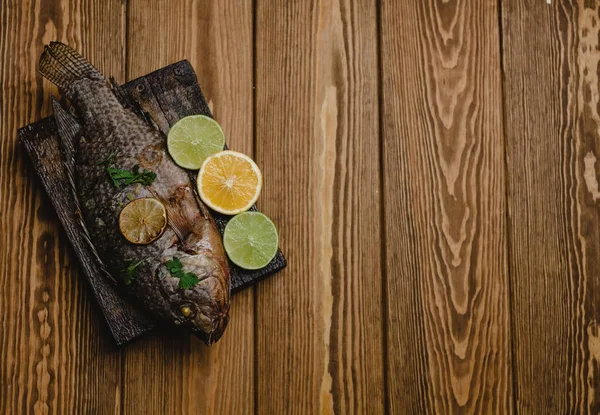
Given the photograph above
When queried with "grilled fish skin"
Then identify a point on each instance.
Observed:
(103, 127)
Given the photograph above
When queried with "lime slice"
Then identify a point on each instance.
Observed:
(250, 240)
(192, 139)
(143, 220)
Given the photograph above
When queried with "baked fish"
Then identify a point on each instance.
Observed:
(104, 134)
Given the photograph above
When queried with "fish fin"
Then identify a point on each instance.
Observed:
(62, 65)
(68, 130)
(127, 101)
(178, 223)
(178, 217)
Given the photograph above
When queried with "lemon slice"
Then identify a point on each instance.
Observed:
(192, 139)
(229, 182)
(143, 220)
(250, 240)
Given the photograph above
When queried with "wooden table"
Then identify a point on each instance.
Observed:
(431, 166)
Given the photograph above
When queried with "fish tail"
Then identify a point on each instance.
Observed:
(62, 65)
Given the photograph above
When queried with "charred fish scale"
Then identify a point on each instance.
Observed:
(111, 133)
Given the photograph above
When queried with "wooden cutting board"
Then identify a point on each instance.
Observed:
(167, 95)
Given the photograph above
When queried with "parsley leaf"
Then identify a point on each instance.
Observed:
(121, 178)
(186, 279)
(174, 266)
(130, 272)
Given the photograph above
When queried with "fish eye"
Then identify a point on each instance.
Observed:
(186, 311)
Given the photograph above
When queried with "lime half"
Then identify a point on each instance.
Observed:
(192, 139)
(251, 240)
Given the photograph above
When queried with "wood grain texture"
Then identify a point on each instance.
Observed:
(422, 298)
(56, 357)
(552, 94)
(447, 280)
(183, 375)
(319, 324)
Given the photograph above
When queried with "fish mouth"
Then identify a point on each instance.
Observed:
(218, 326)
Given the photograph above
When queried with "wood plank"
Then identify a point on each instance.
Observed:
(445, 216)
(319, 324)
(54, 358)
(186, 376)
(552, 140)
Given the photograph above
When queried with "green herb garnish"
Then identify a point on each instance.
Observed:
(121, 178)
(130, 272)
(174, 266)
(186, 279)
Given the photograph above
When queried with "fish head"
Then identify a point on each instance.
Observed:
(204, 307)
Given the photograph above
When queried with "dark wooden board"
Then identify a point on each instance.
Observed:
(167, 95)
(41, 141)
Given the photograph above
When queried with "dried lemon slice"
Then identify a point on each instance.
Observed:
(143, 220)
(229, 182)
